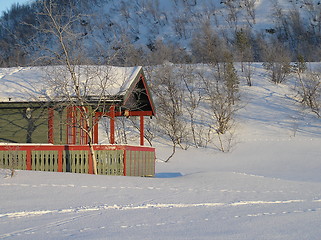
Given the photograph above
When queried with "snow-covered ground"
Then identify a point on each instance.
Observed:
(267, 187)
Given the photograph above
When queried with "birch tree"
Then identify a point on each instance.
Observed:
(72, 81)
(168, 95)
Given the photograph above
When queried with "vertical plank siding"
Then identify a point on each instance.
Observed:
(110, 162)
(111, 159)
(140, 163)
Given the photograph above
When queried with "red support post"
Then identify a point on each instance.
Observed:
(112, 124)
(60, 160)
(51, 114)
(142, 130)
(95, 126)
(71, 125)
(28, 160)
(74, 122)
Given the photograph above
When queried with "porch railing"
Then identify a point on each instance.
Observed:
(111, 159)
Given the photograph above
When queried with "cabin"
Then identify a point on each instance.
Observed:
(48, 115)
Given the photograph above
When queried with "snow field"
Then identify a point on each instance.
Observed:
(120, 207)
(267, 187)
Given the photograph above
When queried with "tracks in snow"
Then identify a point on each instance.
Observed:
(170, 189)
(94, 211)
(85, 209)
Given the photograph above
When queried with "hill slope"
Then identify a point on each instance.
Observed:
(129, 32)
(268, 187)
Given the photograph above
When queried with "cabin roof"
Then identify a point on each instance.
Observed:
(48, 83)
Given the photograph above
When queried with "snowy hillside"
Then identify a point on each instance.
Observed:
(144, 32)
(177, 20)
(267, 187)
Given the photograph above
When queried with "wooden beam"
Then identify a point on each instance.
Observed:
(51, 114)
(112, 124)
(130, 113)
(74, 122)
(60, 160)
(142, 130)
(28, 160)
(95, 126)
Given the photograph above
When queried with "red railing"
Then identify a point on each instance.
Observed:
(111, 159)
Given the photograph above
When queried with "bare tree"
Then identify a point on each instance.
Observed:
(73, 82)
(250, 10)
(192, 98)
(207, 46)
(310, 90)
(222, 100)
(168, 96)
(248, 70)
(277, 62)
(233, 8)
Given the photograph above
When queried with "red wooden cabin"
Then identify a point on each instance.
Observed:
(39, 112)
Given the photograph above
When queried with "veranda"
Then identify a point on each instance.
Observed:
(111, 159)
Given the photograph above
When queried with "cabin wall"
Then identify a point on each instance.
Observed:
(18, 125)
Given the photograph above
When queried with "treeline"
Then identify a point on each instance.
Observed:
(148, 32)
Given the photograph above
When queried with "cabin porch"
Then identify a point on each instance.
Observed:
(122, 160)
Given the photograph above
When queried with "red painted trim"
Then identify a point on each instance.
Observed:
(140, 113)
(141, 130)
(140, 148)
(112, 124)
(121, 114)
(148, 94)
(74, 121)
(95, 130)
(49, 147)
(28, 160)
(60, 167)
(129, 163)
(83, 137)
(90, 163)
(51, 115)
(142, 78)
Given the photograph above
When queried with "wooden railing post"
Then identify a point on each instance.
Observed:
(28, 160)
(142, 130)
(95, 130)
(51, 114)
(60, 154)
(112, 124)
(134, 160)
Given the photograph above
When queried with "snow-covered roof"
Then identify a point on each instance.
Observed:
(20, 84)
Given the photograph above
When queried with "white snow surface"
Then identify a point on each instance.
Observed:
(48, 83)
(267, 187)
